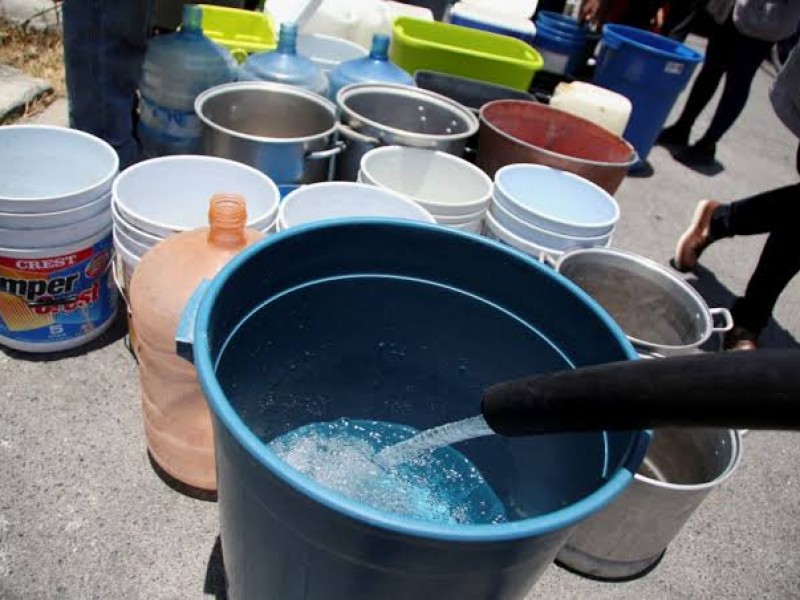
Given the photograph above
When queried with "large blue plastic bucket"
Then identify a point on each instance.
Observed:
(561, 50)
(405, 323)
(651, 70)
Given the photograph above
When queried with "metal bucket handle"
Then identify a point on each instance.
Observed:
(337, 148)
(725, 315)
(351, 133)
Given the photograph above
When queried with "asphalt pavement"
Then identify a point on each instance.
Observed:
(84, 515)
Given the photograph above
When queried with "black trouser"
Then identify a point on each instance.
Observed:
(737, 57)
(775, 212)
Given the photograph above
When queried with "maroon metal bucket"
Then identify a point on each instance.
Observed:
(516, 131)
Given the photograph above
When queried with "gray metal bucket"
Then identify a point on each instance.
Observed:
(660, 313)
(628, 538)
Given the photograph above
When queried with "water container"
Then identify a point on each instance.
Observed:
(594, 103)
(374, 68)
(649, 69)
(176, 419)
(177, 67)
(285, 65)
(407, 323)
(486, 20)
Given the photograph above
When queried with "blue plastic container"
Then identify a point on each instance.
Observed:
(375, 68)
(561, 51)
(651, 71)
(285, 65)
(562, 23)
(177, 67)
(521, 29)
(331, 320)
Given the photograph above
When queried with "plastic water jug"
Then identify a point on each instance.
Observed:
(176, 419)
(177, 67)
(375, 68)
(608, 109)
(285, 65)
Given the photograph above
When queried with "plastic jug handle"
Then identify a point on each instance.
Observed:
(184, 337)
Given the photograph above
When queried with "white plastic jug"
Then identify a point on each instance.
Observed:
(608, 109)
(513, 8)
(354, 20)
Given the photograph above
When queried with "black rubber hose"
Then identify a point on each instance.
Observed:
(738, 390)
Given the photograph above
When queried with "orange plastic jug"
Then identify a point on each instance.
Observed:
(177, 422)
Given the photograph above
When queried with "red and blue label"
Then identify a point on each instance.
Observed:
(52, 299)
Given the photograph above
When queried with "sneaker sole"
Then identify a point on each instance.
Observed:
(698, 215)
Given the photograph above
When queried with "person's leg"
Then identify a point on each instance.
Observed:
(706, 83)
(747, 54)
(104, 46)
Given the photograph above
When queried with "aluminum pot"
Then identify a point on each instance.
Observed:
(286, 132)
(660, 313)
(628, 538)
(516, 131)
(376, 114)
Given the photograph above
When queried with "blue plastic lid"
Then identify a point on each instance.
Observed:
(373, 68)
(285, 65)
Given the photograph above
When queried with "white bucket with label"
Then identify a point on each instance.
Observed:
(55, 238)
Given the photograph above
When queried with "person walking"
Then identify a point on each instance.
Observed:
(742, 39)
(775, 212)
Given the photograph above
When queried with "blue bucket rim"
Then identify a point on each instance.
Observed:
(622, 32)
(337, 502)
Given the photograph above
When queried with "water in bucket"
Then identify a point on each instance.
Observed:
(394, 468)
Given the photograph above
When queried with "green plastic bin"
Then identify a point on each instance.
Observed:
(240, 31)
(463, 51)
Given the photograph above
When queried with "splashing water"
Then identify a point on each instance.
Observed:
(430, 439)
(439, 485)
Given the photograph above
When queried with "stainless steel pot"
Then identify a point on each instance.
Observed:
(628, 538)
(660, 313)
(374, 114)
(286, 132)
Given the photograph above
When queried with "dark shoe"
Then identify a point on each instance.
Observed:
(697, 155)
(673, 136)
(740, 338)
(696, 238)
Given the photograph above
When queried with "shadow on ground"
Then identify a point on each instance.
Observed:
(716, 294)
(215, 583)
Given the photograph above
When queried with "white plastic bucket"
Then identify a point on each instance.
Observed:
(495, 231)
(55, 238)
(475, 226)
(126, 263)
(47, 169)
(555, 200)
(346, 200)
(443, 184)
(326, 51)
(542, 237)
(165, 195)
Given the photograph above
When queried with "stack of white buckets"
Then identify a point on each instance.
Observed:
(455, 192)
(545, 212)
(163, 196)
(55, 237)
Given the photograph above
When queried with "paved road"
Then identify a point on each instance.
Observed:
(83, 515)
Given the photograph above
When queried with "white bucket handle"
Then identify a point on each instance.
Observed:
(725, 315)
(118, 281)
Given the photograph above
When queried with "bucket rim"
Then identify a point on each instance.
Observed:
(737, 441)
(265, 86)
(633, 160)
(622, 32)
(157, 226)
(394, 89)
(500, 187)
(103, 184)
(337, 502)
(654, 267)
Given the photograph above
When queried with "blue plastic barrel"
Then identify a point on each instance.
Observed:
(331, 320)
(651, 71)
(561, 50)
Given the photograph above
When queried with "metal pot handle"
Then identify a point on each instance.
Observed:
(323, 154)
(351, 133)
(725, 315)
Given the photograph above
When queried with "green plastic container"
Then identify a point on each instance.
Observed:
(463, 51)
(242, 32)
